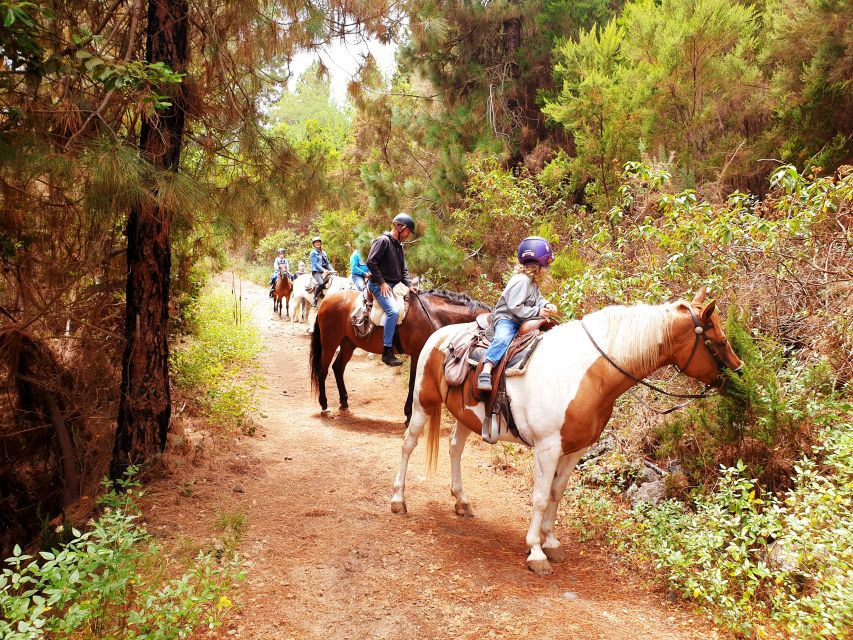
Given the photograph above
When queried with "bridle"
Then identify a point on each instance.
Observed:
(699, 330)
(426, 311)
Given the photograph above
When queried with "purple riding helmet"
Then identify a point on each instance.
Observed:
(536, 250)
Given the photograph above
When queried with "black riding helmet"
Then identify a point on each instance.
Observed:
(405, 219)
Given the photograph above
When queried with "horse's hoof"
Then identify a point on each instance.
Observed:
(555, 554)
(344, 407)
(463, 509)
(540, 567)
(398, 506)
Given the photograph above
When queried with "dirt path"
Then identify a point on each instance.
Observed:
(327, 558)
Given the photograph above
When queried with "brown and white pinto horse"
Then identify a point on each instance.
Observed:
(428, 311)
(565, 399)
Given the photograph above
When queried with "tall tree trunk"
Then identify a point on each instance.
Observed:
(145, 405)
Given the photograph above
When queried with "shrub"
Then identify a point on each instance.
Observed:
(215, 364)
(110, 582)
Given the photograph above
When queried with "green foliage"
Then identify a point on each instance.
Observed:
(749, 557)
(810, 51)
(147, 78)
(216, 362)
(111, 581)
(297, 246)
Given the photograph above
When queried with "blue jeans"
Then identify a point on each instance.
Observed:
(389, 306)
(505, 331)
(358, 281)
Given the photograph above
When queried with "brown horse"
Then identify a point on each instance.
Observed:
(428, 311)
(283, 289)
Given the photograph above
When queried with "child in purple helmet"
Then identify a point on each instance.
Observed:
(519, 301)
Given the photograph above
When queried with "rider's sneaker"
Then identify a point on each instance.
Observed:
(272, 292)
(484, 382)
(389, 358)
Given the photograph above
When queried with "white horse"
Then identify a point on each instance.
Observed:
(302, 302)
(564, 400)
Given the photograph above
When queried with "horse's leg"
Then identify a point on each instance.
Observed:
(407, 408)
(457, 444)
(546, 458)
(287, 307)
(550, 545)
(410, 441)
(346, 350)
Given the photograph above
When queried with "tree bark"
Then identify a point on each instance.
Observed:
(145, 403)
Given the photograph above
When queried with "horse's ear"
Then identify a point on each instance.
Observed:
(699, 298)
(707, 310)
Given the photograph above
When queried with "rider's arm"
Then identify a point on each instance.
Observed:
(404, 274)
(377, 252)
(516, 295)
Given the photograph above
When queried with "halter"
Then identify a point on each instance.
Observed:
(698, 329)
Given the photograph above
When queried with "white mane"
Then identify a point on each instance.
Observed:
(633, 336)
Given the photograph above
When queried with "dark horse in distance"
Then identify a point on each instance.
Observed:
(428, 311)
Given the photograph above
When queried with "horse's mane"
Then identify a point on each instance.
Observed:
(460, 299)
(633, 335)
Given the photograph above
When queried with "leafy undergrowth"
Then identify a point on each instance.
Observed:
(111, 581)
(215, 365)
(756, 564)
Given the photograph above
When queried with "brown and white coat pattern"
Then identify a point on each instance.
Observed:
(565, 399)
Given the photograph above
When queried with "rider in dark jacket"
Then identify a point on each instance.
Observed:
(387, 269)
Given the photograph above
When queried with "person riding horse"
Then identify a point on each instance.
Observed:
(320, 267)
(387, 269)
(519, 301)
(279, 261)
(358, 270)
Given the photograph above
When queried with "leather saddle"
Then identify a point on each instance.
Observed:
(496, 400)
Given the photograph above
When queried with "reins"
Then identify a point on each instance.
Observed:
(426, 311)
(690, 396)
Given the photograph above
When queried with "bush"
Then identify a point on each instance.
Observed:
(111, 582)
(749, 557)
(215, 363)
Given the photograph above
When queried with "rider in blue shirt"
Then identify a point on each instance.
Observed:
(358, 270)
(320, 266)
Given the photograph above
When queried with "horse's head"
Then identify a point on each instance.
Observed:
(282, 270)
(701, 349)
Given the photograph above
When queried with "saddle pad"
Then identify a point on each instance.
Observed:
(518, 365)
(400, 291)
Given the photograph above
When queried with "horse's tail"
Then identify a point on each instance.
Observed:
(316, 356)
(433, 429)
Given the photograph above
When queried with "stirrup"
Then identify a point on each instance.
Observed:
(484, 382)
(491, 428)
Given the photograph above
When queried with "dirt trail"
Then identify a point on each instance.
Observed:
(327, 558)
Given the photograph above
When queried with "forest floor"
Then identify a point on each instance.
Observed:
(326, 558)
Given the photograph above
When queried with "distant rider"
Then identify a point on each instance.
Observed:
(279, 260)
(388, 268)
(320, 267)
(358, 270)
(519, 301)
